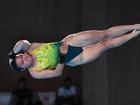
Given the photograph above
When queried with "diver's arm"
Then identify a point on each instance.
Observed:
(48, 73)
(21, 45)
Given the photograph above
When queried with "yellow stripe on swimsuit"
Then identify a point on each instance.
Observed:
(47, 56)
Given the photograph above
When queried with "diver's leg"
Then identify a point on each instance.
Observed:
(85, 38)
(91, 52)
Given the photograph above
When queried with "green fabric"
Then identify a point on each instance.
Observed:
(47, 55)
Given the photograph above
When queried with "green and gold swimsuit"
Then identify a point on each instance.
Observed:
(47, 56)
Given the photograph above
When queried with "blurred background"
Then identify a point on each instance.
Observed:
(112, 79)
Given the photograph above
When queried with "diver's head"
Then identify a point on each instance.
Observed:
(20, 62)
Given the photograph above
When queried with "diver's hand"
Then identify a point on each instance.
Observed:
(64, 48)
(21, 45)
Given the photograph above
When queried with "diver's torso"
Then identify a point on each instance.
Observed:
(47, 55)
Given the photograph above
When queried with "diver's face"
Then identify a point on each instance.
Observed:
(23, 60)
